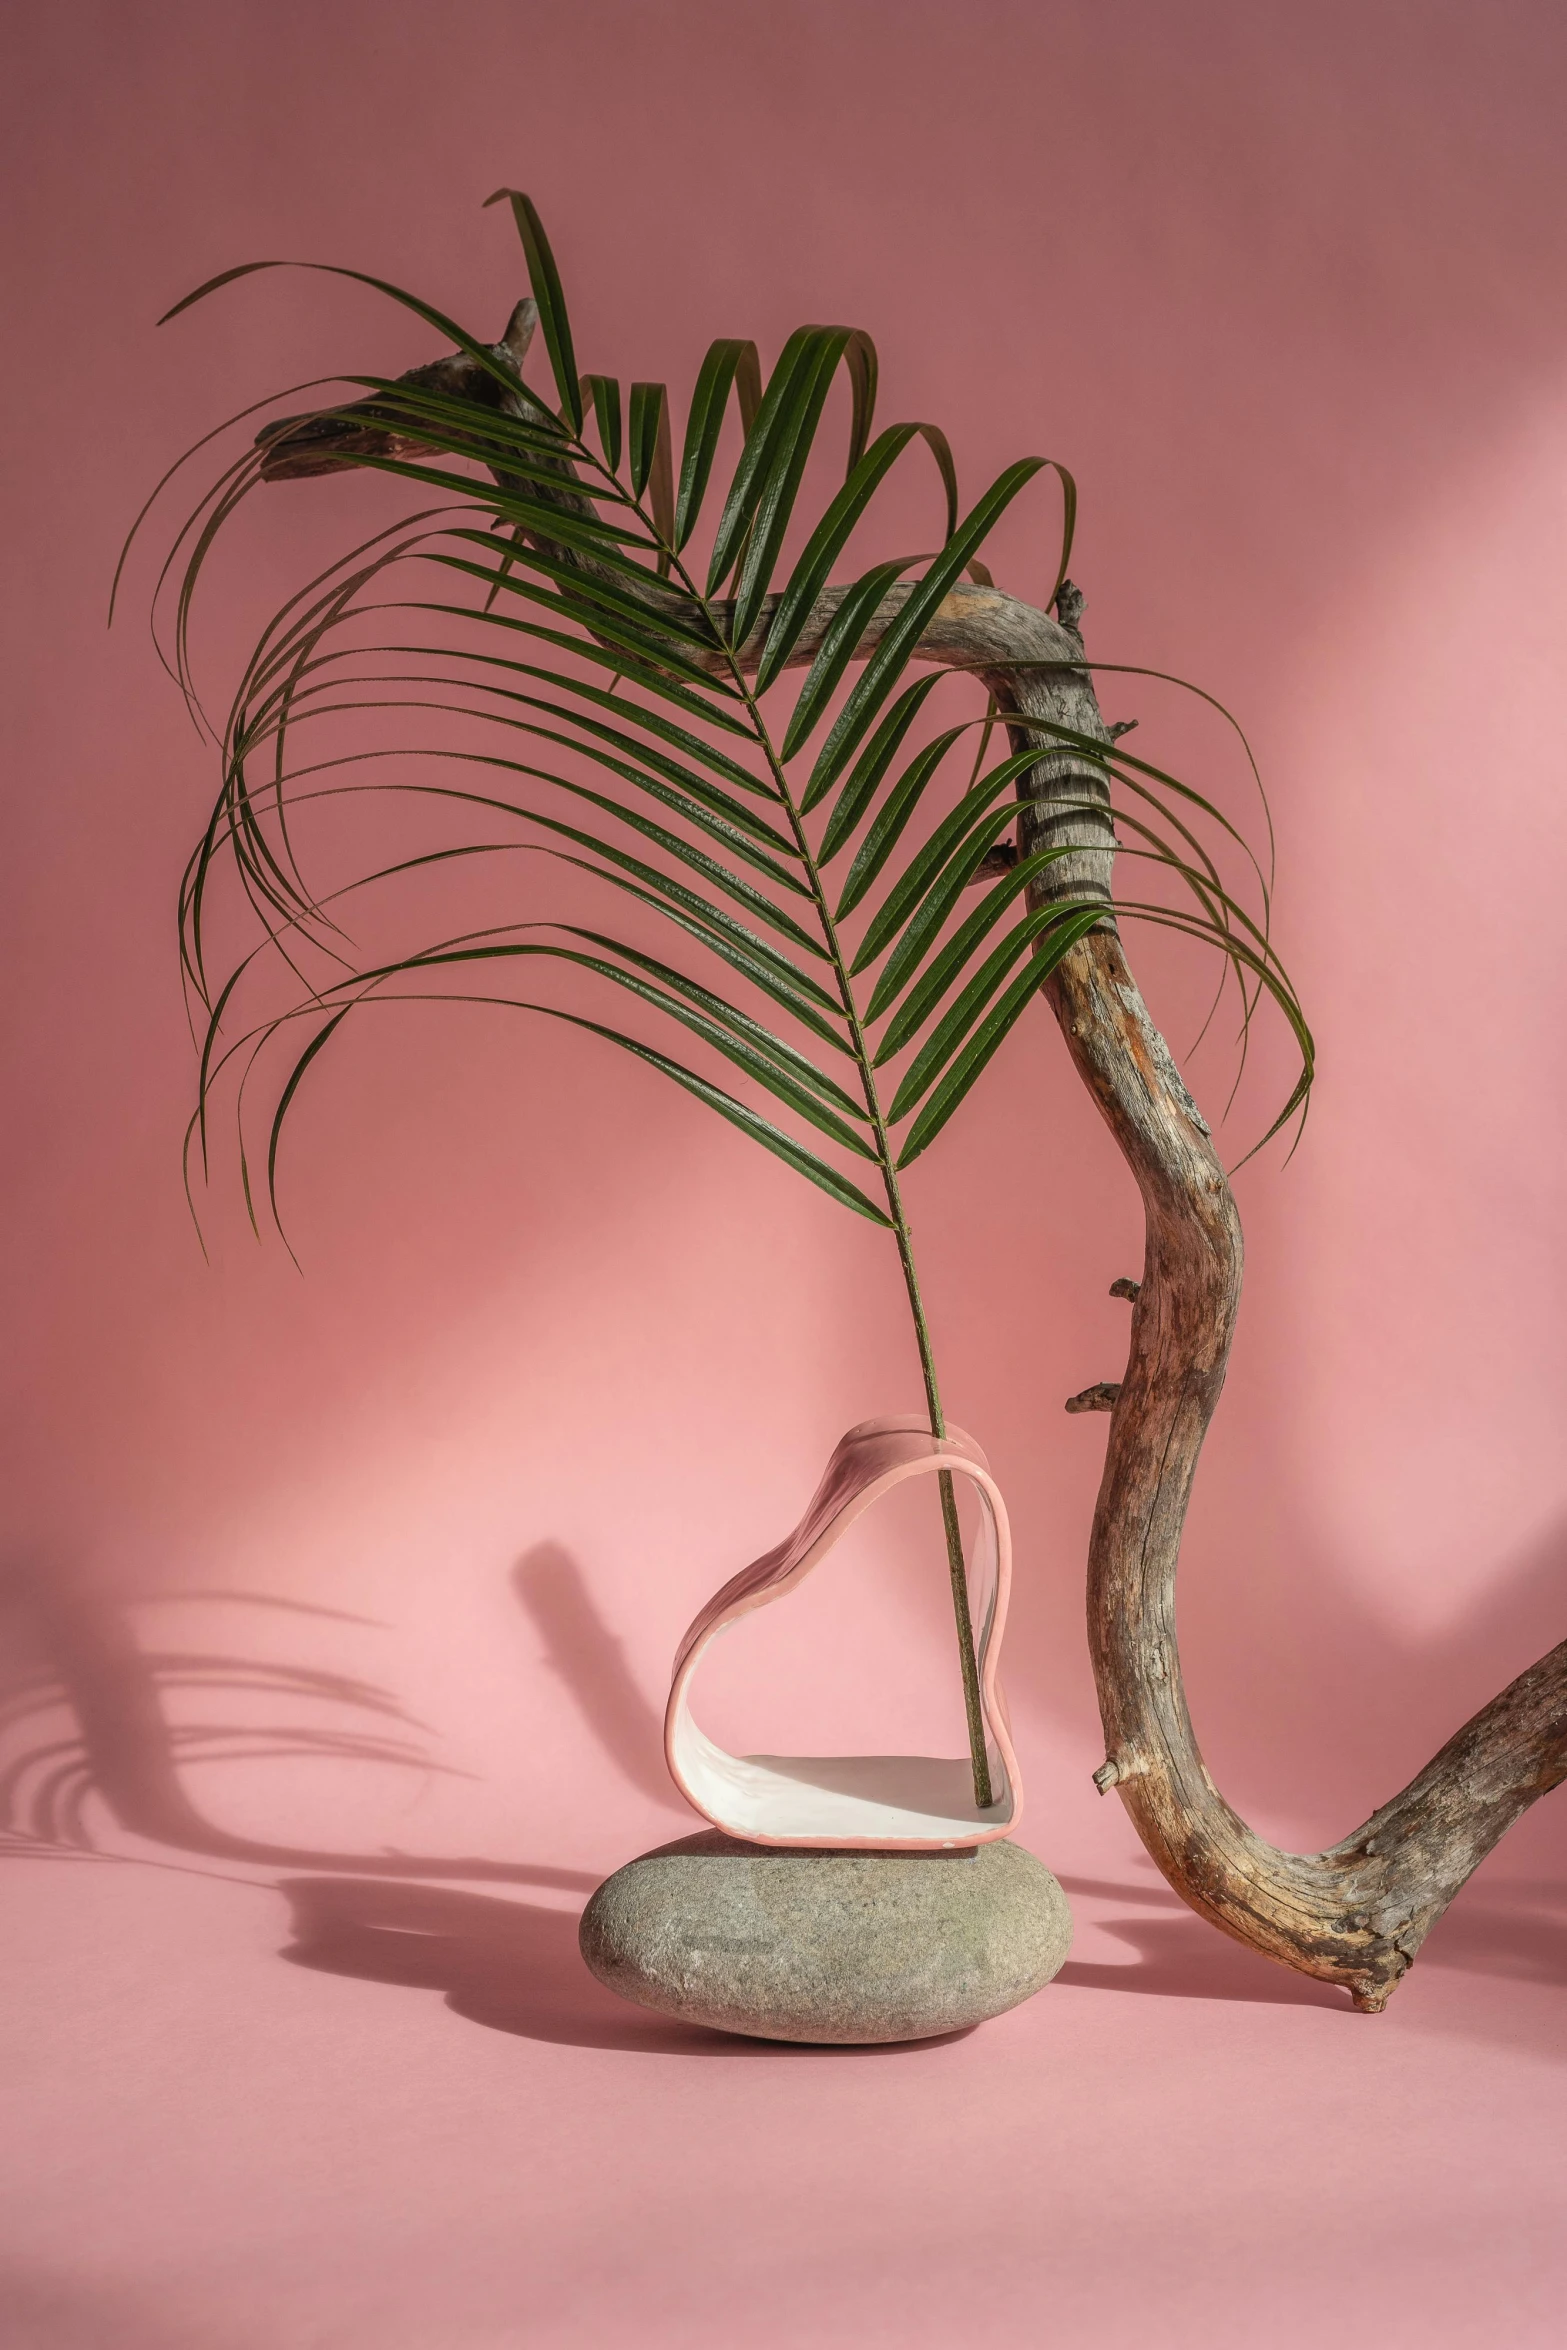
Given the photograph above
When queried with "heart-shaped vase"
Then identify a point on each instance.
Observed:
(858, 1802)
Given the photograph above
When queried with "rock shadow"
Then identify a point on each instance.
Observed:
(512, 1966)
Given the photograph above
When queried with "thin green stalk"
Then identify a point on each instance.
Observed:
(967, 1659)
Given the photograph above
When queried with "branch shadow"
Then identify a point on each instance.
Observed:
(1185, 1958)
(1180, 1956)
(1516, 1930)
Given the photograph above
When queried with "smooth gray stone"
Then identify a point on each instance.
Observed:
(827, 1946)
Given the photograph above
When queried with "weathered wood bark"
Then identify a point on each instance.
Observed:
(1357, 1913)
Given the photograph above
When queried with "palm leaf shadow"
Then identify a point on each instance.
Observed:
(84, 1714)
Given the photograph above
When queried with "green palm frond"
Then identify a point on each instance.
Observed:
(847, 957)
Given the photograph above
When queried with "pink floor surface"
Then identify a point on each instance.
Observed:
(417, 2124)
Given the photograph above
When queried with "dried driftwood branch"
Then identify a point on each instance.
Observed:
(1358, 1913)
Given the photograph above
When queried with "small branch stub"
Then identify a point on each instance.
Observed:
(1103, 1396)
(994, 863)
(1130, 1290)
(1071, 604)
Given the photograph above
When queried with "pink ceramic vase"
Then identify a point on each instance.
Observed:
(857, 1802)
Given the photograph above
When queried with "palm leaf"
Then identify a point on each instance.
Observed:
(604, 392)
(727, 363)
(840, 643)
(553, 613)
(954, 1026)
(926, 869)
(939, 900)
(943, 969)
(740, 503)
(897, 644)
(987, 1039)
(891, 821)
(544, 278)
(779, 471)
(652, 466)
(864, 779)
(783, 1071)
(826, 543)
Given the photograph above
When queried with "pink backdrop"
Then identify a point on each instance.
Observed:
(1284, 287)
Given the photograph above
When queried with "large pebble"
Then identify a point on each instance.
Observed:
(827, 1946)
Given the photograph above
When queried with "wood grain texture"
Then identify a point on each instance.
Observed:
(1358, 1913)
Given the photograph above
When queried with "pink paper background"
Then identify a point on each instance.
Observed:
(1283, 285)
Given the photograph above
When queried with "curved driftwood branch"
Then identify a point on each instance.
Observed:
(1358, 1913)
